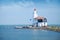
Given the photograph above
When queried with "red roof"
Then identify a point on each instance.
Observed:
(39, 17)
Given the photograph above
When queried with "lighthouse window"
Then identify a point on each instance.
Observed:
(40, 20)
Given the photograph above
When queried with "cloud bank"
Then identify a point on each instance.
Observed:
(27, 3)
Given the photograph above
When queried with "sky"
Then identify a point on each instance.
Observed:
(14, 12)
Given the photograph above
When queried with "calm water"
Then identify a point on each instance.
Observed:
(9, 33)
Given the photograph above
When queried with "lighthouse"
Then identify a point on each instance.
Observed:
(35, 13)
(39, 21)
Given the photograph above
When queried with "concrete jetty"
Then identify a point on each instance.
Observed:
(51, 28)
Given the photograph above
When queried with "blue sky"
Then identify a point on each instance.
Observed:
(20, 11)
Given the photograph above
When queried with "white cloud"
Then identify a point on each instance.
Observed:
(25, 4)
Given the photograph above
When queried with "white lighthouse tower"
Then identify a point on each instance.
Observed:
(35, 14)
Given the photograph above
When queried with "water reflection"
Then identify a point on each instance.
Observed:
(45, 35)
(35, 33)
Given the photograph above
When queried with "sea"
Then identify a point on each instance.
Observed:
(9, 32)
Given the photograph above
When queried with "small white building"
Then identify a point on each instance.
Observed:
(39, 20)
